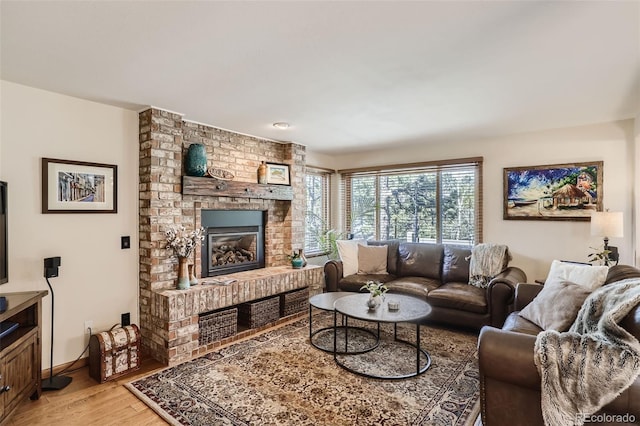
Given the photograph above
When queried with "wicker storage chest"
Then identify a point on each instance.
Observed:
(294, 301)
(217, 325)
(259, 312)
(114, 353)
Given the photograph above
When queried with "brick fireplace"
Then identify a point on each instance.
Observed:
(164, 138)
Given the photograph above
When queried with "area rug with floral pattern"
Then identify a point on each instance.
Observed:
(278, 378)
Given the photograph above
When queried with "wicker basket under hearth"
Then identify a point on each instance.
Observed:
(259, 312)
(215, 326)
(294, 301)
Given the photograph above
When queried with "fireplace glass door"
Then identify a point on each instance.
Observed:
(232, 249)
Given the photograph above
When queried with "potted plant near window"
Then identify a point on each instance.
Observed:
(328, 243)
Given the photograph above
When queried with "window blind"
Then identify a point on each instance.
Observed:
(437, 202)
(318, 184)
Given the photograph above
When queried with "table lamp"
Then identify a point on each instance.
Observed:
(607, 224)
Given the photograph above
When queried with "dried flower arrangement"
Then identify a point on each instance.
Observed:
(182, 242)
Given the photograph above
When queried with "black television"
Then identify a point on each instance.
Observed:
(4, 259)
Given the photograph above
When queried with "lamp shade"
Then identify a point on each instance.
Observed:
(606, 224)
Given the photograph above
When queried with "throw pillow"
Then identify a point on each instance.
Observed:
(556, 306)
(372, 260)
(392, 253)
(348, 252)
(590, 277)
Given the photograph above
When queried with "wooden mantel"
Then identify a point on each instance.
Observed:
(211, 187)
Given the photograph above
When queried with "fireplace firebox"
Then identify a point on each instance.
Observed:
(234, 241)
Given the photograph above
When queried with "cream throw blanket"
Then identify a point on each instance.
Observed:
(487, 261)
(587, 367)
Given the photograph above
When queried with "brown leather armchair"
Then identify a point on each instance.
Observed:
(509, 379)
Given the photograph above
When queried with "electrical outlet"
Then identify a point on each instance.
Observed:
(125, 319)
(88, 327)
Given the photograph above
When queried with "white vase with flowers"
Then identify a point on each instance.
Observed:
(183, 243)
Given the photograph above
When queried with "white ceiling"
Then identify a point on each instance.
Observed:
(346, 75)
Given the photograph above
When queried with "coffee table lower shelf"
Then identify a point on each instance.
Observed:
(421, 366)
(412, 311)
(325, 301)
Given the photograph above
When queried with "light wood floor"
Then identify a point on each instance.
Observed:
(85, 402)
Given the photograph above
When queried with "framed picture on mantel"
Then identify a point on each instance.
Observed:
(79, 187)
(278, 174)
(553, 192)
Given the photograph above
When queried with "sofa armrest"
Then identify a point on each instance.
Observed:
(332, 274)
(500, 294)
(509, 380)
(510, 383)
(507, 356)
(512, 276)
(525, 293)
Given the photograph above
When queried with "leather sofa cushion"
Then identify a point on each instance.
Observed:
(621, 272)
(459, 296)
(417, 286)
(516, 323)
(631, 322)
(455, 267)
(354, 282)
(392, 253)
(420, 260)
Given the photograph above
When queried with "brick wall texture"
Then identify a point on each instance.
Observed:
(164, 139)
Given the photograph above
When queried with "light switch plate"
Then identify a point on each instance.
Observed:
(125, 242)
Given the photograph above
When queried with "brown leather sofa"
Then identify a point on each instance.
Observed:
(509, 379)
(439, 273)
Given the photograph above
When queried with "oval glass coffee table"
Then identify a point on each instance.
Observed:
(411, 310)
(325, 302)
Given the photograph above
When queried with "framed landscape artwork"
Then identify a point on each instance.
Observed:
(79, 187)
(278, 174)
(553, 192)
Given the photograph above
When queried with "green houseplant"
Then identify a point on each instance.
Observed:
(376, 293)
(328, 243)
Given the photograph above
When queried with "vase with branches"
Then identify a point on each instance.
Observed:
(183, 244)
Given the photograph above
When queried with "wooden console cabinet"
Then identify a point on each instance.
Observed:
(20, 351)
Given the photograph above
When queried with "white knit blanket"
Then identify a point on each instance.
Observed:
(487, 261)
(587, 367)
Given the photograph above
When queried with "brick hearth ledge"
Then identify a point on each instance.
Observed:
(175, 312)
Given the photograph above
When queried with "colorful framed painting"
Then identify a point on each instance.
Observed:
(554, 192)
(278, 174)
(79, 187)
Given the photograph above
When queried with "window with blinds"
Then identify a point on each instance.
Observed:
(436, 202)
(317, 217)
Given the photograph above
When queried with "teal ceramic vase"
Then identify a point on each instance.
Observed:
(296, 263)
(196, 161)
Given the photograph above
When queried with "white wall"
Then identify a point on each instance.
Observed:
(534, 244)
(98, 281)
(636, 186)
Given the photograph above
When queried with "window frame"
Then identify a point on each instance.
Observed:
(438, 167)
(325, 175)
